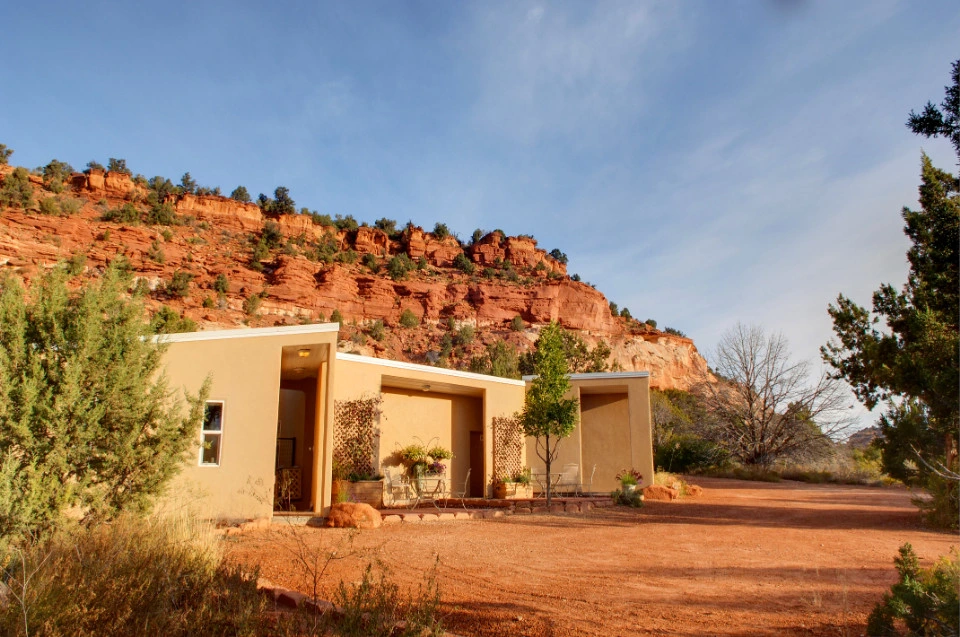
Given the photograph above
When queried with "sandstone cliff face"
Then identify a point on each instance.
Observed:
(216, 236)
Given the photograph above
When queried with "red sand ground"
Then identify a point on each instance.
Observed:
(745, 558)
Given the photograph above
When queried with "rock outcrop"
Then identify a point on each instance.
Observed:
(315, 270)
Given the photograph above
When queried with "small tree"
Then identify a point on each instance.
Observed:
(188, 184)
(547, 415)
(240, 194)
(5, 154)
(86, 419)
(115, 165)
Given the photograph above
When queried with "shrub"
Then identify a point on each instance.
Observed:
(55, 174)
(408, 319)
(162, 214)
(336, 317)
(517, 323)
(76, 263)
(155, 576)
(377, 330)
(160, 188)
(221, 285)
(168, 321)
(179, 284)
(575, 277)
(103, 438)
(628, 498)
(5, 154)
(462, 263)
(441, 231)
(155, 253)
(558, 256)
(675, 332)
(476, 236)
(924, 600)
(94, 165)
(370, 261)
(187, 184)
(49, 206)
(251, 304)
(685, 453)
(240, 194)
(16, 191)
(167, 235)
(115, 165)
(399, 266)
(651, 323)
(465, 335)
(347, 256)
(387, 225)
(345, 223)
(126, 213)
(614, 310)
(70, 206)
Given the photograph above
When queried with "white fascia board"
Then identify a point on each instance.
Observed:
(414, 367)
(599, 376)
(247, 332)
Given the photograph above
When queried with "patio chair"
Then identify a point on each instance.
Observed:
(568, 478)
(395, 486)
(588, 484)
(462, 493)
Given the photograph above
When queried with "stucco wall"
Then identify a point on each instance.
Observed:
(245, 374)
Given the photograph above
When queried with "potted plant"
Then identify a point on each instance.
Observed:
(629, 480)
(423, 461)
(514, 487)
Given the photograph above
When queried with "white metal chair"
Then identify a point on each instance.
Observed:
(462, 493)
(568, 478)
(396, 486)
(588, 484)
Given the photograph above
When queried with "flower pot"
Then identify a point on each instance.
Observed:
(365, 491)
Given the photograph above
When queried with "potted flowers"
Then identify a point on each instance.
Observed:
(421, 460)
(514, 487)
(629, 480)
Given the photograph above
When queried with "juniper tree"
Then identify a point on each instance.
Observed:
(87, 419)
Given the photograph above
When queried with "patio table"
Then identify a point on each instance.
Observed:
(429, 489)
(541, 480)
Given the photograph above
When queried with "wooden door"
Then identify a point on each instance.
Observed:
(476, 464)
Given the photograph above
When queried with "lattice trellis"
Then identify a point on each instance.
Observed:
(507, 447)
(355, 436)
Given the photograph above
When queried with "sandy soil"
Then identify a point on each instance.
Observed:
(745, 558)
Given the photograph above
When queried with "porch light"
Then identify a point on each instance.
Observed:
(297, 370)
(303, 353)
(425, 388)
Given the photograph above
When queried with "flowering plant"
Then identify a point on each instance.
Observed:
(629, 477)
(436, 468)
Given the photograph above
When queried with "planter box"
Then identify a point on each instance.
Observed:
(512, 491)
(365, 491)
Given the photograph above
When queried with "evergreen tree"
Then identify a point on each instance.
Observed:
(5, 154)
(187, 184)
(86, 420)
(547, 415)
(933, 122)
(240, 194)
(915, 360)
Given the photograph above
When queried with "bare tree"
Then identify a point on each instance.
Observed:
(766, 407)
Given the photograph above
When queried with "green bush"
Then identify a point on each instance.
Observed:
(76, 263)
(517, 323)
(375, 607)
(115, 165)
(168, 321)
(155, 253)
(408, 319)
(925, 601)
(16, 191)
(162, 214)
(336, 317)
(614, 309)
(347, 256)
(70, 206)
(49, 206)
(675, 332)
(345, 223)
(252, 304)
(377, 330)
(625, 313)
(5, 154)
(462, 263)
(441, 231)
(628, 498)
(126, 213)
(221, 285)
(179, 284)
(651, 323)
(399, 266)
(370, 261)
(240, 194)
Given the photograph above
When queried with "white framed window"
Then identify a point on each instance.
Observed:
(211, 434)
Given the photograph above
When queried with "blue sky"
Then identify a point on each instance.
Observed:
(702, 163)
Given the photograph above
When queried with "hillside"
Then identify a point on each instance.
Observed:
(224, 263)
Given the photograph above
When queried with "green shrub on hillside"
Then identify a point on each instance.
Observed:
(16, 191)
(179, 284)
(168, 321)
(336, 317)
(370, 261)
(240, 194)
(399, 266)
(441, 231)
(462, 263)
(49, 206)
(221, 284)
(126, 213)
(408, 319)
(5, 154)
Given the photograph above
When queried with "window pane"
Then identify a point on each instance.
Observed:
(213, 417)
(211, 449)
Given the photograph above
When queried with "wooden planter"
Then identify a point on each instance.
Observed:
(365, 491)
(512, 491)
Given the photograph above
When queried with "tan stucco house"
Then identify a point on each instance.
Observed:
(271, 405)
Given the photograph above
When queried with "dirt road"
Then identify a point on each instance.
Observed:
(745, 558)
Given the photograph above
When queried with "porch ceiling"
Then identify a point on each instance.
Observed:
(302, 361)
(399, 382)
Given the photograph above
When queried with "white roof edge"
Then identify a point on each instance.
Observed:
(599, 376)
(247, 332)
(414, 367)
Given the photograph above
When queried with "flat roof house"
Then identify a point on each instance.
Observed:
(272, 404)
